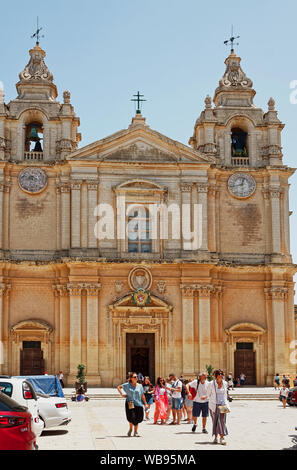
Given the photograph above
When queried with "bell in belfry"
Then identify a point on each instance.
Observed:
(34, 135)
(37, 147)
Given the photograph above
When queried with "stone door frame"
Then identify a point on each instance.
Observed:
(30, 330)
(133, 319)
(246, 333)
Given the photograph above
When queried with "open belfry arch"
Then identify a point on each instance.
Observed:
(128, 299)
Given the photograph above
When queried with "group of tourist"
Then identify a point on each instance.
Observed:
(177, 396)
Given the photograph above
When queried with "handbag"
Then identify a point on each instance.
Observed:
(223, 409)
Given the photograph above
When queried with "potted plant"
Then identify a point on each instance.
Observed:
(210, 370)
(81, 383)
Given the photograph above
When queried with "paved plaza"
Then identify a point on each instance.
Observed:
(101, 425)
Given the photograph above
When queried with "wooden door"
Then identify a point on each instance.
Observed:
(140, 360)
(32, 362)
(245, 361)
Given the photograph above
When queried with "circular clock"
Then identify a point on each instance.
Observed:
(241, 185)
(32, 180)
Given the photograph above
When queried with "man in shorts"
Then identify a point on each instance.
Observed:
(175, 390)
(200, 402)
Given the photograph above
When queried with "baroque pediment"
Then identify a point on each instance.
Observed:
(141, 144)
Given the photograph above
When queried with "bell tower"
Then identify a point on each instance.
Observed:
(35, 126)
(235, 131)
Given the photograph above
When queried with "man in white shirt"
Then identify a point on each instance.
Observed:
(200, 401)
(175, 390)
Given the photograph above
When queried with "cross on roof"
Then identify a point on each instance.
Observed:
(231, 40)
(37, 33)
(139, 100)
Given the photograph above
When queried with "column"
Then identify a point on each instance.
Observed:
(92, 219)
(186, 189)
(278, 296)
(275, 219)
(64, 330)
(188, 352)
(58, 218)
(75, 328)
(92, 334)
(2, 289)
(202, 199)
(84, 216)
(204, 325)
(212, 212)
(75, 214)
(270, 335)
(65, 216)
(4, 340)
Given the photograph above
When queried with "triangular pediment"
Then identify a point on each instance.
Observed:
(139, 143)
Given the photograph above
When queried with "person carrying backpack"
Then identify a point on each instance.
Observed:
(197, 391)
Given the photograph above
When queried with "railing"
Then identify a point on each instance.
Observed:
(33, 156)
(240, 161)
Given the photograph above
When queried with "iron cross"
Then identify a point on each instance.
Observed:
(37, 33)
(139, 100)
(231, 40)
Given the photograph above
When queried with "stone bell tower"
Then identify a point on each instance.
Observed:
(235, 131)
(35, 126)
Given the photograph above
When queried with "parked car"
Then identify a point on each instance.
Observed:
(292, 396)
(15, 426)
(52, 405)
(23, 393)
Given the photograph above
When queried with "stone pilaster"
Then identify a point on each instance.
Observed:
(186, 190)
(92, 204)
(4, 290)
(204, 292)
(65, 216)
(202, 189)
(93, 375)
(75, 328)
(278, 296)
(188, 352)
(275, 194)
(75, 214)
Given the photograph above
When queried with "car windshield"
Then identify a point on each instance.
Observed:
(8, 404)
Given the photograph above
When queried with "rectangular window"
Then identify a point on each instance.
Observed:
(246, 346)
(139, 231)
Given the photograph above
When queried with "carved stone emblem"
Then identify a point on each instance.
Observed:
(140, 278)
(32, 180)
(241, 185)
(161, 286)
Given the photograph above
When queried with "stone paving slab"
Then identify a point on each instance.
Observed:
(102, 425)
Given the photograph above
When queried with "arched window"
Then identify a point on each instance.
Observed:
(33, 138)
(239, 147)
(138, 230)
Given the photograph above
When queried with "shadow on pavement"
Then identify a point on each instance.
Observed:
(294, 442)
(57, 432)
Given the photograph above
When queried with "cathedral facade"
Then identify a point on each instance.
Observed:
(137, 252)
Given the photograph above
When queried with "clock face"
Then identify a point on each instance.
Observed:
(32, 180)
(241, 185)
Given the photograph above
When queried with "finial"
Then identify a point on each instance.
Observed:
(231, 40)
(66, 97)
(207, 101)
(138, 100)
(37, 33)
(271, 105)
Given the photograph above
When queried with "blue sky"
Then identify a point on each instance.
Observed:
(172, 51)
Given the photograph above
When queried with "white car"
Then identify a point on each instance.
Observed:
(23, 393)
(53, 410)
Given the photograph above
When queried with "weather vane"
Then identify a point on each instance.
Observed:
(139, 100)
(37, 33)
(231, 40)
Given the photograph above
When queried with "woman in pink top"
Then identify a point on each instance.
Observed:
(161, 401)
